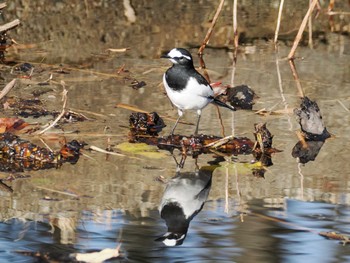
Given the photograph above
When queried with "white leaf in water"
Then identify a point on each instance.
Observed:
(129, 12)
(96, 257)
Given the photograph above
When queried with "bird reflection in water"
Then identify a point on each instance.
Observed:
(183, 199)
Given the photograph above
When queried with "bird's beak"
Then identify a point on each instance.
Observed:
(165, 55)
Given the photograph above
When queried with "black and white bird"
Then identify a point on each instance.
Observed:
(186, 87)
(182, 200)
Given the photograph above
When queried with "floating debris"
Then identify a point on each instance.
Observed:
(310, 120)
(313, 132)
(26, 68)
(241, 97)
(145, 124)
(5, 42)
(336, 236)
(263, 136)
(26, 107)
(18, 155)
(36, 108)
(144, 128)
(135, 84)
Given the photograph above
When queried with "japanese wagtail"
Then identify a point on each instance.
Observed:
(186, 87)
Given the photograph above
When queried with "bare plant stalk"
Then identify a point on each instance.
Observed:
(202, 63)
(210, 30)
(226, 191)
(235, 41)
(7, 88)
(278, 21)
(237, 187)
(311, 44)
(296, 78)
(234, 17)
(280, 84)
(234, 63)
(301, 29)
(301, 181)
(220, 120)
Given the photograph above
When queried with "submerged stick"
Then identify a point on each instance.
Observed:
(7, 88)
(64, 98)
(210, 30)
(301, 30)
(278, 21)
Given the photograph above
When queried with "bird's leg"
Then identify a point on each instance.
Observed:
(199, 112)
(180, 112)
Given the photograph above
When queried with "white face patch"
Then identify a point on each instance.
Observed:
(169, 242)
(175, 53)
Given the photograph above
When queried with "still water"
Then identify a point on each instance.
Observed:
(103, 201)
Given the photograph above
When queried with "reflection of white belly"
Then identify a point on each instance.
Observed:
(193, 97)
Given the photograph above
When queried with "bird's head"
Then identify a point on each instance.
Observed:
(171, 239)
(179, 56)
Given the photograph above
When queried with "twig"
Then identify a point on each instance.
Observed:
(301, 181)
(280, 85)
(296, 78)
(210, 30)
(64, 98)
(9, 25)
(311, 45)
(46, 145)
(220, 120)
(301, 30)
(278, 21)
(342, 104)
(332, 13)
(235, 42)
(97, 149)
(226, 191)
(220, 142)
(56, 191)
(235, 52)
(7, 88)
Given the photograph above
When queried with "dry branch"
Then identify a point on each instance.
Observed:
(301, 29)
(10, 25)
(278, 21)
(210, 31)
(2, 5)
(296, 78)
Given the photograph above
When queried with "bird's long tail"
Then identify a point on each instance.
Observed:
(222, 104)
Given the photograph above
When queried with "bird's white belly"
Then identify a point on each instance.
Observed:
(193, 97)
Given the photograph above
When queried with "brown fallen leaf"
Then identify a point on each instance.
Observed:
(12, 124)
